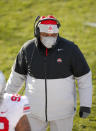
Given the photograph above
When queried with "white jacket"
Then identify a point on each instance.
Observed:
(61, 94)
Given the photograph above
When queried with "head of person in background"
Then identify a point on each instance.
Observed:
(47, 29)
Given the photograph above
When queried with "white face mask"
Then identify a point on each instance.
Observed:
(48, 41)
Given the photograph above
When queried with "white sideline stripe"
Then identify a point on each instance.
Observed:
(91, 24)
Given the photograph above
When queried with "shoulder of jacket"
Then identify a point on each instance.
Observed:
(28, 46)
(29, 43)
(64, 42)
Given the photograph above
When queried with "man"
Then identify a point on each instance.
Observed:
(12, 110)
(50, 64)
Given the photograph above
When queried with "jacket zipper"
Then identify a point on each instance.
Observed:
(46, 99)
(46, 86)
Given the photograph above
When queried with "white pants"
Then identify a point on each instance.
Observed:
(56, 125)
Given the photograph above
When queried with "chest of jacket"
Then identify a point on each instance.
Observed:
(57, 64)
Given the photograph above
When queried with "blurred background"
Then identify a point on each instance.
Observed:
(78, 24)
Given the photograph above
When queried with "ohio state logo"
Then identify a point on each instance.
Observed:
(59, 60)
(50, 29)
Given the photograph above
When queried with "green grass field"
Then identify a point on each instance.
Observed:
(16, 27)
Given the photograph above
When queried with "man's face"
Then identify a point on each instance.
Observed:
(48, 39)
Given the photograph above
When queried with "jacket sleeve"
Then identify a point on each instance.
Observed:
(85, 89)
(18, 74)
(82, 73)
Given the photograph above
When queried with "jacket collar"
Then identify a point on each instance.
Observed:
(42, 48)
